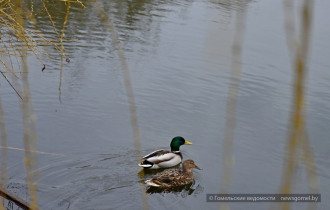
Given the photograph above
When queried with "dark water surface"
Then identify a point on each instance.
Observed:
(178, 54)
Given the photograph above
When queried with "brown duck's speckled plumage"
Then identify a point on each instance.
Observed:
(174, 177)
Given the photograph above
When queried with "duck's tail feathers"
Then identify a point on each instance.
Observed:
(145, 164)
(151, 183)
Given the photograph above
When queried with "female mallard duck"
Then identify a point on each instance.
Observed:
(164, 158)
(174, 177)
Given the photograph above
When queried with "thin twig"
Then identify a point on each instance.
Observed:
(11, 85)
(34, 151)
(18, 201)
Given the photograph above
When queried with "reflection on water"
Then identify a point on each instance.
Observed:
(178, 55)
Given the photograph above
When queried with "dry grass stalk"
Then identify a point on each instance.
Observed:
(129, 89)
(16, 44)
(298, 137)
(233, 90)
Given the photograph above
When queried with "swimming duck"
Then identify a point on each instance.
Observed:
(164, 158)
(174, 177)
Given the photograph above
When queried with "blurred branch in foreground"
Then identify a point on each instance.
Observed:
(233, 90)
(129, 89)
(297, 137)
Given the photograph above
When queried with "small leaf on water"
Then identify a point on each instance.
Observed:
(43, 68)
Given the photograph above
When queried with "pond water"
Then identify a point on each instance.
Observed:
(178, 55)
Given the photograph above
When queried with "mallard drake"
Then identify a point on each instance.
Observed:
(164, 158)
(174, 177)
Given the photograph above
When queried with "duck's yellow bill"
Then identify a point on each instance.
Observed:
(187, 142)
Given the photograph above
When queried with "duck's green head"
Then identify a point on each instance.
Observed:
(177, 142)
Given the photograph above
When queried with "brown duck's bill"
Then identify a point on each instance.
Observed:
(198, 168)
(187, 142)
